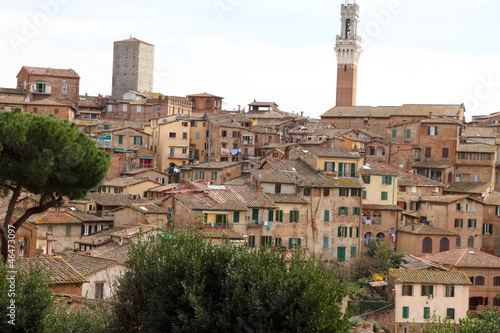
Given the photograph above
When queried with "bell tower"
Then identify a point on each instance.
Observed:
(348, 50)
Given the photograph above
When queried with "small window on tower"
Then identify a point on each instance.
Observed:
(345, 68)
(347, 28)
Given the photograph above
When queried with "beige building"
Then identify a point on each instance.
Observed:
(421, 293)
(128, 185)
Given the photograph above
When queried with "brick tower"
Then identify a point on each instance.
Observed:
(348, 50)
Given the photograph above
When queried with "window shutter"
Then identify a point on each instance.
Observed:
(327, 216)
(357, 232)
(270, 215)
(410, 290)
(339, 231)
(297, 216)
(290, 243)
(262, 240)
(341, 169)
(431, 290)
(83, 229)
(291, 216)
(406, 312)
(364, 195)
(408, 133)
(346, 211)
(236, 217)
(353, 169)
(326, 166)
(389, 180)
(281, 216)
(298, 241)
(340, 210)
(368, 179)
(350, 231)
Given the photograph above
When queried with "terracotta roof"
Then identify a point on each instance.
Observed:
(11, 91)
(407, 177)
(133, 40)
(412, 262)
(125, 181)
(50, 217)
(112, 250)
(204, 95)
(12, 99)
(59, 270)
(442, 121)
(287, 198)
(145, 208)
(242, 180)
(263, 104)
(476, 148)
(429, 276)
(221, 233)
(271, 114)
(215, 165)
(425, 229)
(443, 198)
(334, 152)
(134, 231)
(50, 71)
(492, 198)
(112, 199)
(466, 257)
(87, 264)
(46, 101)
(480, 132)
(377, 171)
(432, 164)
(84, 217)
(468, 187)
(248, 195)
(382, 207)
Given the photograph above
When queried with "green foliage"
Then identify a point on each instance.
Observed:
(95, 319)
(486, 321)
(46, 155)
(33, 300)
(182, 284)
(384, 257)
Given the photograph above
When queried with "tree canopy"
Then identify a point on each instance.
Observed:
(182, 284)
(47, 157)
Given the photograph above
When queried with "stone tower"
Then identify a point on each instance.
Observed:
(348, 50)
(133, 65)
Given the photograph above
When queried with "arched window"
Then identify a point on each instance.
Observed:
(193, 103)
(444, 244)
(380, 235)
(470, 241)
(208, 104)
(368, 238)
(347, 28)
(458, 242)
(479, 280)
(427, 245)
(496, 281)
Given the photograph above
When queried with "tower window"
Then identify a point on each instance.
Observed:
(345, 68)
(347, 28)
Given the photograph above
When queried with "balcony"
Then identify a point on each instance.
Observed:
(255, 224)
(179, 156)
(41, 89)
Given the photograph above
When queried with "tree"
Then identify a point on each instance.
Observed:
(47, 157)
(179, 283)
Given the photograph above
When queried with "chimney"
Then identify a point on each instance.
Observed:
(265, 203)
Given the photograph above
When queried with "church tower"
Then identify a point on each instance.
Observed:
(348, 50)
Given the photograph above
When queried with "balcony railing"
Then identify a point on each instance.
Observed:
(180, 156)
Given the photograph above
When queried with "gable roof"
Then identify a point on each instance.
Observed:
(112, 199)
(468, 187)
(204, 95)
(87, 264)
(416, 110)
(334, 152)
(133, 40)
(466, 257)
(126, 181)
(145, 208)
(429, 276)
(59, 270)
(425, 229)
(50, 71)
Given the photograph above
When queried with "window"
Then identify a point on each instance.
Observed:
(184, 135)
(341, 253)
(255, 214)
(428, 152)
(427, 312)
(356, 211)
(474, 156)
(496, 281)
(64, 88)
(402, 188)
(326, 216)
(487, 229)
(458, 242)
(279, 215)
(474, 178)
(343, 192)
(479, 281)
(138, 140)
(293, 243)
(236, 217)
(326, 242)
(427, 290)
(98, 228)
(214, 175)
(294, 216)
(197, 135)
(364, 195)
(355, 192)
(406, 312)
(449, 291)
(278, 241)
(470, 241)
(497, 210)
(266, 240)
(432, 130)
(383, 195)
(236, 134)
(224, 134)
(326, 192)
(307, 192)
(247, 140)
(86, 229)
(462, 156)
(459, 223)
(270, 215)
(343, 210)
(172, 135)
(120, 139)
(445, 152)
(125, 107)
(99, 290)
(366, 179)
(408, 133)
(471, 223)
(353, 251)
(444, 244)
(68, 230)
(407, 290)
(486, 156)
(459, 207)
(427, 245)
(450, 313)
(251, 241)
(329, 166)
(394, 133)
(342, 232)
(277, 188)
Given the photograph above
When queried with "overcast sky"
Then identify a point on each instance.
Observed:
(414, 51)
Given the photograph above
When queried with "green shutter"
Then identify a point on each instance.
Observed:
(368, 179)
(357, 232)
(341, 253)
(353, 252)
(350, 232)
(364, 195)
(346, 211)
(298, 241)
(297, 217)
(405, 206)
(422, 293)
(255, 214)
(270, 215)
(341, 169)
(205, 218)
(389, 180)
(394, 133)
(290, 242)
(450, 313)
(120, 139)
(410, 290)
(262, 240)
(408, 133)
(339, 230)
(340, 210)
(326, 166)
(431, 290)
(252, 238)
(406, 312)
(280, 216)
(236, 217)
(353, 169)
(383, 195)
(427, 312)
(326, 242)
(291, 216)
(327, 216)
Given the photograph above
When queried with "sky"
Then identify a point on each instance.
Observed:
(414, 51)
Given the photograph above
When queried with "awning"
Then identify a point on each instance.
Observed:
(118, 149)
(146, 158)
